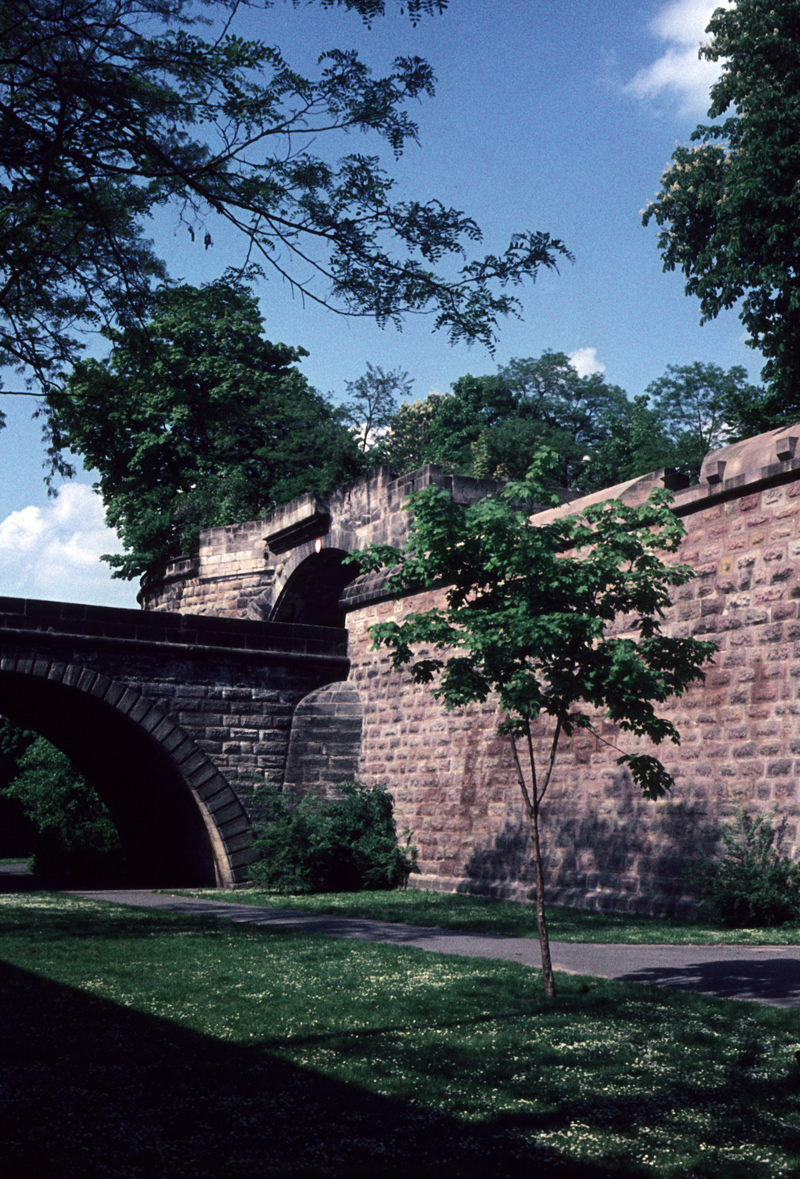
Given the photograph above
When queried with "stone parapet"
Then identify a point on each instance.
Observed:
(242, 570)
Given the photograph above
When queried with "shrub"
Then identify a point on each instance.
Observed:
(747, 883)
(75, 838)
(331, 845)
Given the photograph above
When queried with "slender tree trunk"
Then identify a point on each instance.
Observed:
(541, 918)
(532, 799)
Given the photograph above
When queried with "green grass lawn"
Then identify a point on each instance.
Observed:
(505, 918)
(141, 1044)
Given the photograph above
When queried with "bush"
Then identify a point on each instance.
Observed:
(332, 845)
(75, 838)
(748, 884)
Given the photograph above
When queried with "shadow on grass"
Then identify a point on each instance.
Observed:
(90, 1088)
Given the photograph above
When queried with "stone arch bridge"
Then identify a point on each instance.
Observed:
(164, 714)
(253, 657)
(178, 717)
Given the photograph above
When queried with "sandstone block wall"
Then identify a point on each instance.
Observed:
(325, 741)
(246, 570)
(451, 775)
(453, 779)
(227, 573)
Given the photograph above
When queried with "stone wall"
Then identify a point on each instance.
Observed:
(249, 570)
(227, 573)
(451, 775)
(325, 742)
(453, 779)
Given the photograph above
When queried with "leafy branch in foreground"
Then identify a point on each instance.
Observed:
(558, 619)
(113, 111)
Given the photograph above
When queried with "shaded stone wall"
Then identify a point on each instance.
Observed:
(325, 741)
(175, 719)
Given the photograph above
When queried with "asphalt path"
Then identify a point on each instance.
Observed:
(760, 974)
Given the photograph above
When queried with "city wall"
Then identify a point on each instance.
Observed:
(451, 775)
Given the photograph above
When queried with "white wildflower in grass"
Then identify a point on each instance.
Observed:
(653, 1082)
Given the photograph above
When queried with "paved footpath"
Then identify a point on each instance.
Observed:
(761, 974)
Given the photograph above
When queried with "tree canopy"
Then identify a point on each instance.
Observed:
(527, 614)
(698, 408)
(111, 110)
(492, 426)
(729, 203)
(196, 420)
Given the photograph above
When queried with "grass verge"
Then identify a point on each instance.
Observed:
(505, 918)
(141, 1044)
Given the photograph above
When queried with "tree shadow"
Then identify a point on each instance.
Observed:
(94, 1089)
(503, 866)
(774, 980)
(633, 860)
(91, 1088)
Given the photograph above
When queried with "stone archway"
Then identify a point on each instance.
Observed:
(312, 590)
(179, 821)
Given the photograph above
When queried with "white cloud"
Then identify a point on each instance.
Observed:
(585, 362)
(679, 72)
(54, 551)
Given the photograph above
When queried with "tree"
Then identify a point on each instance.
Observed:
(74, 836)
(635, 447)
(17, 832)
(408, 443)
(196, 420)
(114, 110)
(528, 615)
(697, 407)
(571, 415)
(729, 204)
(373, 404)
(474, 405)
(491, 426)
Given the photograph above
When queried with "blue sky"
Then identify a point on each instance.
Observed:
(549, 114)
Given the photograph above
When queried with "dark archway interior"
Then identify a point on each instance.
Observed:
(312, 593)
(160, 826)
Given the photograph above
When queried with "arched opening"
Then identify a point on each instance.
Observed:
(70, 836)
(312, 592)
(165, 839)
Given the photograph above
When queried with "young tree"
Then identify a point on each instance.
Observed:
(729, 204)
(372, 403)
(196, 420)
(529, 614)
(111, 110)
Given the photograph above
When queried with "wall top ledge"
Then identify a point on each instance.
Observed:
(733, 470)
